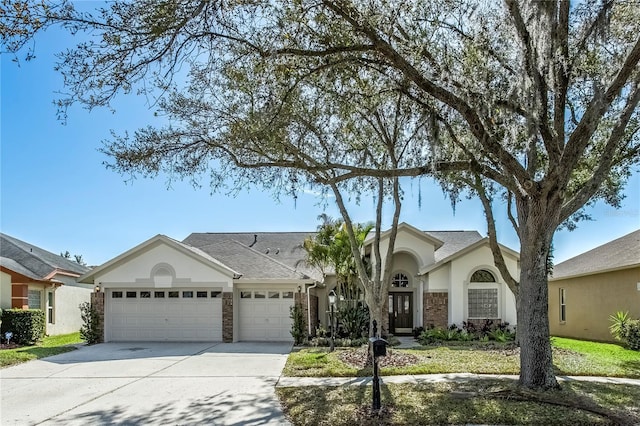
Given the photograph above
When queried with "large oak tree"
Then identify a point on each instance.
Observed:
(533, 102)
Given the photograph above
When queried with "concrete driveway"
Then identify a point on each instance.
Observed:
(148, 383)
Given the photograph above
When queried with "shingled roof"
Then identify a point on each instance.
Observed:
(265, 255)
(279, 255)
(32, 261)
(620, 253)
(454, 242)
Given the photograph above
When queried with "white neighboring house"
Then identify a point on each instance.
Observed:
(33, 278)
(241, 286)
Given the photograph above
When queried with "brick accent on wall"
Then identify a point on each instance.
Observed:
(436, 309)
(227, 317)
(19, 296)
(97, 302)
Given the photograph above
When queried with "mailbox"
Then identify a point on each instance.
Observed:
(379, 346)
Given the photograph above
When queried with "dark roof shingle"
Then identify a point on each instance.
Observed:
(620, 253)
(40, 262)
(274, 255)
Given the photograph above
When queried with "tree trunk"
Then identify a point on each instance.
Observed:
(536, 233)
(376, 312)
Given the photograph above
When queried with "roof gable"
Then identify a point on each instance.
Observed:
(621, 253)
(405, 227)
(159, 239)
(461, 243)
(41, 263)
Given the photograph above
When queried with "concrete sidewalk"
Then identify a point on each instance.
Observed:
(431, 378)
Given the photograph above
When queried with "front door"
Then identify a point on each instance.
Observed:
(400, 313)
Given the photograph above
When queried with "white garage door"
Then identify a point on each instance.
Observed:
(264, 315)
(163, 315)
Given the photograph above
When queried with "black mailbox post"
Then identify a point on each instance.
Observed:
(379, 346)
(378, 349)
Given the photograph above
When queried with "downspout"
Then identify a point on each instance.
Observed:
(309, 306)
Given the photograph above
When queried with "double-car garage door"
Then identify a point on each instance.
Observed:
(163, 315)
(193, 314)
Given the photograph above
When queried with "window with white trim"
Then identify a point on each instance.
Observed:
(563, 305)
(483, 300)
(483, 303)
(51, 319)
(35, 299)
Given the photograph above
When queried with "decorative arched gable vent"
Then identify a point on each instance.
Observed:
(162, 275)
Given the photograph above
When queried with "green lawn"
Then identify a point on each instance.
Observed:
(49, 346)
(482, 401)
(489, 401)
(571, 357)
(596, 359)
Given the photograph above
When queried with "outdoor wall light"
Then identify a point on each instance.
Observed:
(299, 289)
(97, 289)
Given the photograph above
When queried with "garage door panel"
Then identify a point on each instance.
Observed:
(163, 319)
(264, 318)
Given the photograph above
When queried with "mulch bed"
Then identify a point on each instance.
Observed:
(360, 358)
(9, 346)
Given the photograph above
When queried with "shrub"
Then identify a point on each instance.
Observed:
(631, 334)
(297, 325)
(27, 326)
(354, 321)
(345, 342)
(488, 331)
(91, 331)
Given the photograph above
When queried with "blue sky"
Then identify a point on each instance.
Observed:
(56, 193)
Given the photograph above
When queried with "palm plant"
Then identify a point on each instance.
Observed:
(330, 251)
(618, 322)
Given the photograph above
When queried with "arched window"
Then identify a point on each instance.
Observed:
(482, 276)
(400, 280)
(482, 297)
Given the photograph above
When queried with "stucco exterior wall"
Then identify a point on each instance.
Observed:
(406, 263)
(67, 300)
(589, 302)
(461, 270)
(409, 242)
(5, 291)
(438, 280)
(139, 269)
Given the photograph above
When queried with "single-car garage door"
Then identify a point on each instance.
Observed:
(264, 315)
(163, 315)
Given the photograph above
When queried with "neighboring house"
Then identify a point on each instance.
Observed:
(33, 278)
(585, 290)
(241, 286)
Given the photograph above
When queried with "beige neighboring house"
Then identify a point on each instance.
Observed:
(585, 290)
(240, 286)
(33, 278)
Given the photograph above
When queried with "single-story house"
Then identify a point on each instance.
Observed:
(34, 278)
(241, 286)
(586, 289)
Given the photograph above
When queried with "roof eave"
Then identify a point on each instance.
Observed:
(587, 273)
